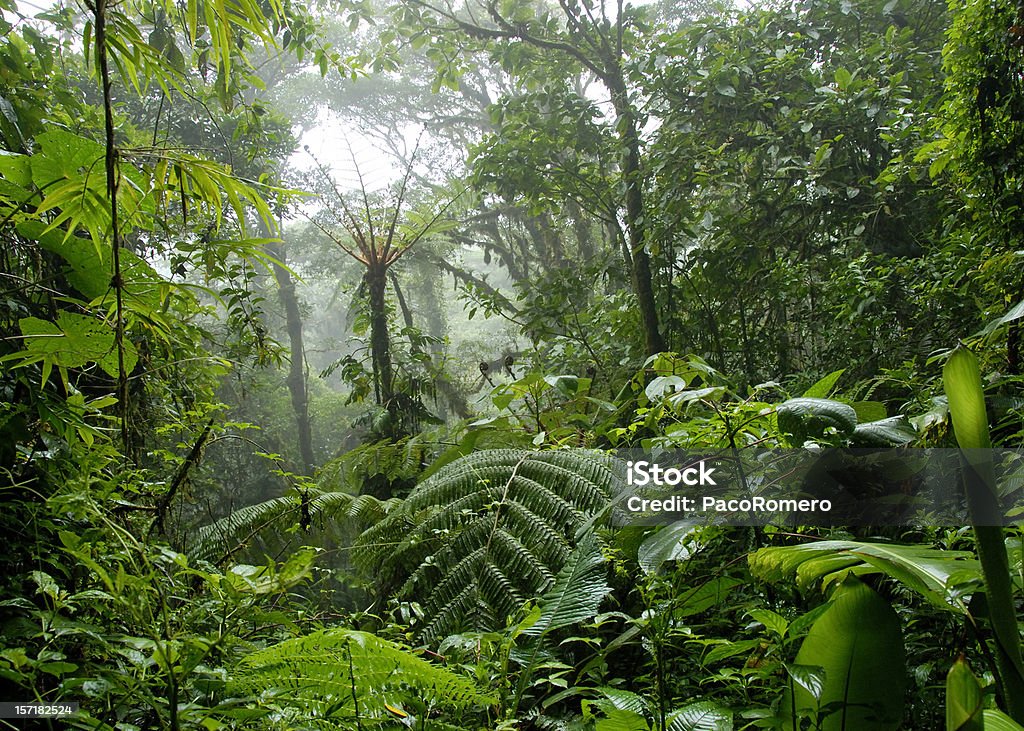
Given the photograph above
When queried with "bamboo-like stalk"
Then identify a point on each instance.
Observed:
(962, 382)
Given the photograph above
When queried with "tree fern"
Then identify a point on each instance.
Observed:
(272, 519)
(349, 678)
(485, 533)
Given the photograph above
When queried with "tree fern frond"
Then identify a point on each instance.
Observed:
(333, 671)
(327, 511)
(487, 531)
(221, 539)
(578, 589)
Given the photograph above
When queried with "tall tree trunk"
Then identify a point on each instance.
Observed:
(581, 227)
(296, 371)
(380, 338)
(633, 178)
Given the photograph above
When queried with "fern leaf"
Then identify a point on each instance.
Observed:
(331, 672)
(483, 533)
(578, 589)
(328, 511)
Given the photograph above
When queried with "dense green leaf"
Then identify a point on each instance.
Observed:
(940, 576)
(858, 643)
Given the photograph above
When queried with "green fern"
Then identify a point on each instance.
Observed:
(349, 678)
(274, 518)
(485, 533)
(578, 590)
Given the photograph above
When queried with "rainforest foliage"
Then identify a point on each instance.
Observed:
(321, 324)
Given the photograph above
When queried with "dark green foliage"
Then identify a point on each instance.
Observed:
(487, 532)
(800, 203)
(268, 521)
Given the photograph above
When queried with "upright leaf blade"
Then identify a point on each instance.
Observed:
(961, 379)
(859, 644)
(962, 382)
(963, 699)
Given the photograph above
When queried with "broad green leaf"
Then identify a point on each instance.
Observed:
(963, 699)
(892, 432)
(90, 270)
(64, 155)
(823, 388)
(961, 380)
(772, 621)
(942, 577)
(868, 411)
(662, 385)
(704, 596)
(620, 720)
(702, 716)
(858, 643)
(73, 341)
(809, 677)
(996, 720)
(813, 418)
(624, 700)
(667, 544)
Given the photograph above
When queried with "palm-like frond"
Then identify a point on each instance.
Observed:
(222, 539)
(578, 589)
(485, 533)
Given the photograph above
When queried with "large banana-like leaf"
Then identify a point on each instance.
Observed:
(858, 643)
(942, 577)
(996, 720)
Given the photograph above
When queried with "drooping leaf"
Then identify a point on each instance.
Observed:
(667, 544)
(942, 577)
(812, 418)
(895, 431)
